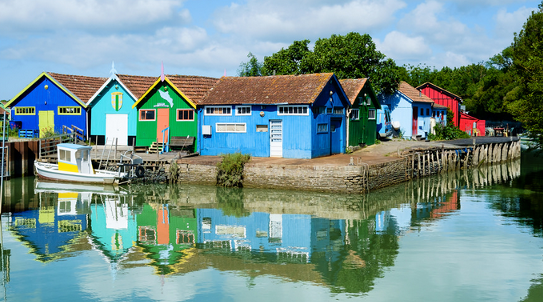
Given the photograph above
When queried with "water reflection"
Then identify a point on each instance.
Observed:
(344, 242)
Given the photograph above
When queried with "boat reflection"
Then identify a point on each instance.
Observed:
(344, 242)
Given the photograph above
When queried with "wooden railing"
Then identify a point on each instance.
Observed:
(48, 146)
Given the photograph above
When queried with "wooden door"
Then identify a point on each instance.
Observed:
(276, 138)
(46, 122)
(415, 122)
(117, 127)
(335, 137)
(162, 122)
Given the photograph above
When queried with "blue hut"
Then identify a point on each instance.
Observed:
(54, 102)
(290, 116)
(112, 117)
(412, 109)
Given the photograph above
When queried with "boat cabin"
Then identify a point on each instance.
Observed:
(74, 158)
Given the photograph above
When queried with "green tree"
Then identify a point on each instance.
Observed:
(288, 61)
(525, 101)
(253, 68)
(350, 56)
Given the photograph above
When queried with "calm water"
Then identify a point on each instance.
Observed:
(467, 236)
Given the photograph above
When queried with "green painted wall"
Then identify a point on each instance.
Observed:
(364, 131)
(147, 130)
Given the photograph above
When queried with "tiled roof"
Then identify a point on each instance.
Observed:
(412, 93)
(352, 87)
(437, 106)
(193, 87)
(281, 89)
(440, 90)
(137, 85)
(82, 87)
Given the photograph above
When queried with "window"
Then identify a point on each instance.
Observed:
(65, 155)
(368, 101)
(147, 115)
(25, 110)
(243, 110)
(329, 110)
(185, 114)
(293, 110)
(427, 111)
(322, 128)
(69, 110)
(371, 114)
(218, 110)
(261, 128)
(338, 110)
(321, 110)
(421, 111)
(355, 115)
(236, 128)
(360, 100)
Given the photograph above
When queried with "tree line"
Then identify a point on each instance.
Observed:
(507, 86)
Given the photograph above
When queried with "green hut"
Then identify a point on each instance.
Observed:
(168, 109)
(362, 126)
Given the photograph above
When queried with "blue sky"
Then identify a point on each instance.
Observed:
(211, 37)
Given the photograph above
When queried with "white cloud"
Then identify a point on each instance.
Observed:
(32, 16)
(403, 47)
(280, 19)
(509, 23)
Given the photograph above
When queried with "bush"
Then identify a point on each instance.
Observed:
(230, 169)
(448, 132)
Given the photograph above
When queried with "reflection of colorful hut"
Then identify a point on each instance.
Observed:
(167, 236)
(49, 231)
(290, 238)
(113, 226)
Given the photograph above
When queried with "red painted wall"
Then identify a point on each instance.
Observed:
(466, 125)
(444, 100)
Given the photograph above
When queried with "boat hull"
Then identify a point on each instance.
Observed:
(51, 172)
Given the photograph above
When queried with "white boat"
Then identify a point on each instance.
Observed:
(74, 165)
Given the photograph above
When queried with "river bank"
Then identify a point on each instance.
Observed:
(367, 169)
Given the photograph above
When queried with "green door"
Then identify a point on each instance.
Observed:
(47, 122)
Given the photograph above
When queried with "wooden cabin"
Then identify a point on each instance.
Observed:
(112, 117)
(411, 109)
(472, 125)
(443, 97)
(362, 127)
(290, 116)
(54, 102)
(168, 110)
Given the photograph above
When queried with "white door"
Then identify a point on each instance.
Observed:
(117, 127)
(276, 138)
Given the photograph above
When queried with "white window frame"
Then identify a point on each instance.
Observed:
(355, 117)
(374, 114)
(337, 108)
(218, 127)
(241, 107)
(292, 106)
(216, 108)
(321, 130)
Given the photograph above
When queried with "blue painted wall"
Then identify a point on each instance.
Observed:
(425, 114)
(401, 109)
(102, 106)
(300, 137)
(47, 100)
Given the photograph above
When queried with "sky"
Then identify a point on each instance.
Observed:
(212, 37)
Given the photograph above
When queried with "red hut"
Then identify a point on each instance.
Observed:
(443, 97)
(472, 125)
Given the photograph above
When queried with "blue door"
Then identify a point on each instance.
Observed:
(335, 135)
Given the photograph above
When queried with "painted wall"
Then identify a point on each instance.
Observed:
(424, 115)
(102, 106)
(364, 131)
(401, 110)
(147, 130)
(467, 125)
(48, 100)
(444, 100)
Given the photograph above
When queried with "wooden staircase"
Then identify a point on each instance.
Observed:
(155, 148)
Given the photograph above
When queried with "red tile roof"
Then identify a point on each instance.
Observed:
(352, 88)
(137, 85)
(412, 93)
(281, 89)
(193, 87)
(82, 87)
(440, 90)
